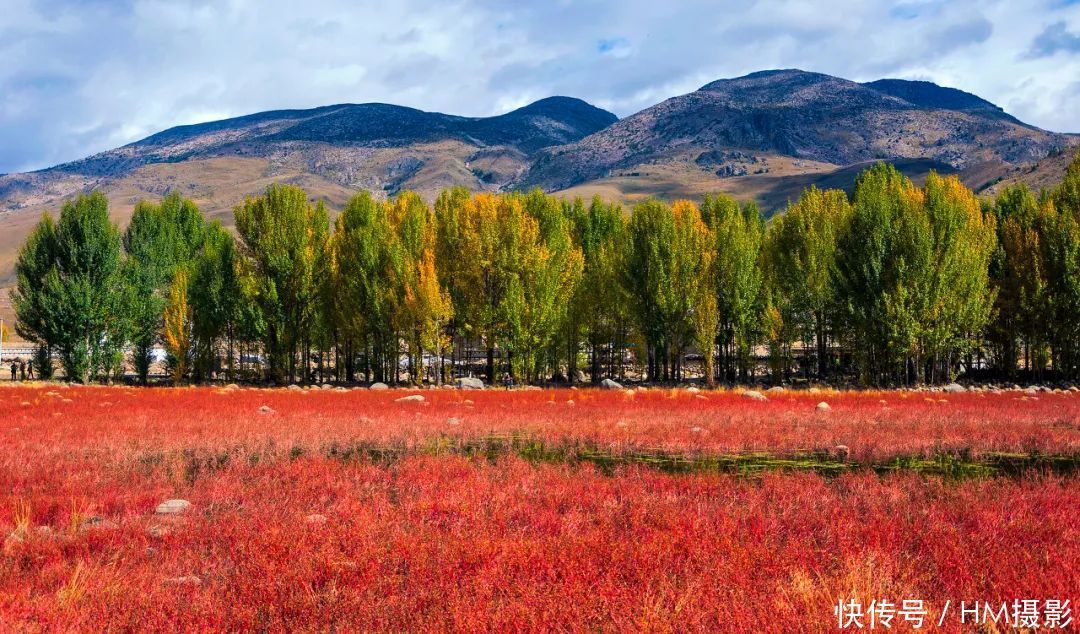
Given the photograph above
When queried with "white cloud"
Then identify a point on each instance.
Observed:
(84, 76)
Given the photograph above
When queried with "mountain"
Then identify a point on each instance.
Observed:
(752, 132)
(372, 146)
(765, 136)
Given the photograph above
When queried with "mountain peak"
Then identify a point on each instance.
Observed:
(927, 94)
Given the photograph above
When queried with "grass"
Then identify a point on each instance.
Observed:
(498, 511)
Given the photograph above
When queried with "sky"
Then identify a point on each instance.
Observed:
(83, 76)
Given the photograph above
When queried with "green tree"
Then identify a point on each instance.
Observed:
(160, 239)
(35, 321)
(799, 262)
(283, 237)
(216, 296)
(883, 258)
(739, 233)
(599, 311)
(79, 305)
(671, 253)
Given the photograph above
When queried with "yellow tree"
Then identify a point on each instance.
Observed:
(429, 309)
(177, 318)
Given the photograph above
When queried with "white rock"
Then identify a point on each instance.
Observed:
(379, 386)
(955, 388)
(173, 507)
(823, 406)
(412, 398)
(754, 395)
(469, 383)
(776, 389)
(608, 384)
(692, 389)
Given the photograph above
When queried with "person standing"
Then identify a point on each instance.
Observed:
(22, 370)
(14, 370)
(30, 370)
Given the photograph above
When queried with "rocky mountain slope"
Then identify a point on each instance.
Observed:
(734, 127)
(373, 146)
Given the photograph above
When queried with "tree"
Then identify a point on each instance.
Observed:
(77, 303)
(599, 309)
(33, 309)
(283, 236)
(422, 306)
(739, 234)
(671, 255)
(959, 298)
(216, 296)
(177, 320)
(883, 257)
(361, 260)
(799, 263)
(160, 239)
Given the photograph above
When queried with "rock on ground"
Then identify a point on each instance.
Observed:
(469, 383)
(823, 406)
(173, 507)
(955, 388)
(412, 398)
(379, 386)
(754, 395)
(608, 384)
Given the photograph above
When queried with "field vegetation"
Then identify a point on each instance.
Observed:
(314, 510)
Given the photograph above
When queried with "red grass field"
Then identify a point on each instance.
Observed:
(480, 510)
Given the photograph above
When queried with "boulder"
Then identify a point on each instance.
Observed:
(776, 389)
(173, 507)
(469, 383)
(412, 398)
(754, 395)
(823, 407)
(692, 390)
(608, 384)
(295, 388)
(580, 377)
(379, 386)
(954, 388)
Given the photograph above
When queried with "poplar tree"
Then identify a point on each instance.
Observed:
(160, 239)
(800, 258)
(739, 234)
(883, 255)
(283, 236)
(600, 304)
(177, 320)
(78, 301)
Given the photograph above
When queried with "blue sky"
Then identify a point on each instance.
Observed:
(83, 76)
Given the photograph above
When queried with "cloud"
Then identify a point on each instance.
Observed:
(85, 76)
(1053, 39)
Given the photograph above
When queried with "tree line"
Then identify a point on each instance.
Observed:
(894, 284)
